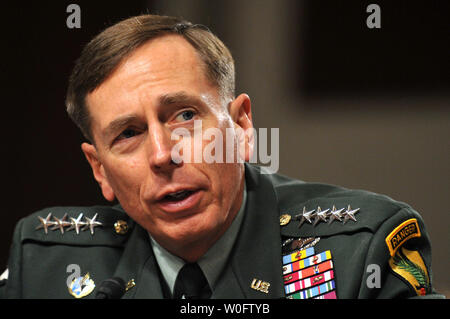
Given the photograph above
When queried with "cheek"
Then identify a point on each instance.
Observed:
(126, 177)
(226, 180)
(133, 164)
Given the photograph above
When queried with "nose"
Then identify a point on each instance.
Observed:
(159, 149)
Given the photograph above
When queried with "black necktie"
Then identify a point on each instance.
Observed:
(191, 283)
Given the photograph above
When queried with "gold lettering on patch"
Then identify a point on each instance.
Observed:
(403, 232)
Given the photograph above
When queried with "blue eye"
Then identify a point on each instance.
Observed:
(186, 115)
(128, 133)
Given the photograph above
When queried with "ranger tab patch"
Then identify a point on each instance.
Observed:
(406, 230)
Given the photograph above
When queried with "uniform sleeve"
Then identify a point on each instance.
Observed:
(3, 279)
(398, 261)
(11, 287)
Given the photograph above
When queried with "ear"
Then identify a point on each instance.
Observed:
(98, 170)
(240, 110)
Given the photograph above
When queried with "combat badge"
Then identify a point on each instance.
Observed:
(406, 230)
(81, 287)
(295, 244)
(411, 267)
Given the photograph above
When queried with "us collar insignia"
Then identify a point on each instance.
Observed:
(259, 285)
(82, 286)
(318, 215)
(75, 223)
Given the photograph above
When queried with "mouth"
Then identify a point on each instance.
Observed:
(177, 196)
(179, 201)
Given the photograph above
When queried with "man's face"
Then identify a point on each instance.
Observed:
(160, 87)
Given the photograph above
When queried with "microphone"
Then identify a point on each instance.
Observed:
(112, 288)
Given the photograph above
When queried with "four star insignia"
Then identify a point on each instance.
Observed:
(335, 214)
(321, 215)
(45, 223)
(350, 214)
(342, 215)
(61, 223)
(74, 223)
(305, 216)
(91, 223)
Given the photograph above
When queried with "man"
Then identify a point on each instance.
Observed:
(200, 229)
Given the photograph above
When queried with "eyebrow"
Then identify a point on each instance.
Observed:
(177, 97)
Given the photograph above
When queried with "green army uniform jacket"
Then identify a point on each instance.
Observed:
(385, 253)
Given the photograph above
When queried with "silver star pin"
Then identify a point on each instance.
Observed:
(305, 216)
(61, 223)
(350, 214)
(76, 223)
(321, 215)
(45, 223)
(335, 214)
(91, 223)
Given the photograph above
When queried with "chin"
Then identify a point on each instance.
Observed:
(190, 231)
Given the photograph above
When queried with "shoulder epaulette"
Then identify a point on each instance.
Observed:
(95, 225)
(334, 210)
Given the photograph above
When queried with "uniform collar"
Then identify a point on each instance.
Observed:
(212, 263)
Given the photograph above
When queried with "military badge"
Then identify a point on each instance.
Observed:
(411, 267)
(121, 227)
(321, 215)
(260, 285)
(45, 222)
(130, 284)
(406, 230)
(81, 286)
(285, 219)
(75, 223)
(326, 215)
(291, 245)
(335, 214)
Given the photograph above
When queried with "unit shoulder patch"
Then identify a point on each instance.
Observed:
(411, 267)
(403, 232)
